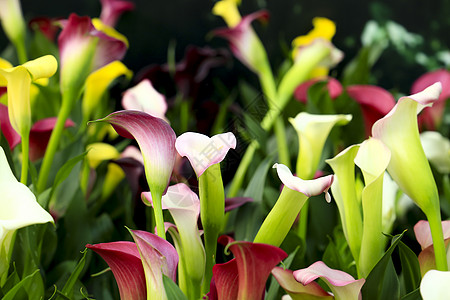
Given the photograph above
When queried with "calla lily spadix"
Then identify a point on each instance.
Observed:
(398, 130)
(342, 285)
(313, 130)
(184, 206)
(293, 196)
(113, 9)
(145, 98)
(375, 103)
(156, 139)
(205, 155)
(245, 276)
(19, 209)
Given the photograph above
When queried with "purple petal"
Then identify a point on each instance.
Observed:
(113, 9)
(125, 263)
(156, 140)
(233, 203)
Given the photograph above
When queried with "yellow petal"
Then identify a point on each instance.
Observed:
(97, 83)
(109, 31)
(227, 9)
(323, 28)
(98, 152)
(42, 67)
(4, 64)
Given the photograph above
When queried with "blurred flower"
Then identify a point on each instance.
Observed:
(19, 209)
(333, 86)
(113, 9)
(47, 26)
(145, 98)
(342, 285)
(434, 285)
(437, 150)
(245, 276)
(431, 117)
(12, 137)
(375, 103)
(13, 25)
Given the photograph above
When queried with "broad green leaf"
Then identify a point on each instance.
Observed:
(11, 294)
(414, 295)
(172, 290)
(410, 268)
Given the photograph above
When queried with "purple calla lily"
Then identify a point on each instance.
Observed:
(113, 9)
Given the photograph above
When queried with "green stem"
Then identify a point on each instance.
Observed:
(21, 51)
(184, 115)
(434, 219)
(239, 176)
(302, 227)
(212, 212)
(280, 219)
(25, 157)
(159, 218)
(283, 151)
(67, 103)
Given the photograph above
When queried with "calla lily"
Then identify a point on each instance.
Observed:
(97, 82)
(398, 130)
(372, 158)
(434, 285)
(295, 289)
(47, 26)
(18, 81)
(423, 236)
(13, 24)
(125, 262)
(184, 206)
(343, 285)
(432, 117)
(203, 151)
(323, 29)
(333, 85)
(375, 103)
(145, 98)
(313, 130)
(158, 257)
(205, 154)
(113, 9)
(19, 209)
(293, 196)
(8, 131)
(437, 150)
(245, 276)
(156, 139)
(244, 42)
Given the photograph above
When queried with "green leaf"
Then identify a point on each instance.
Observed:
(68, 287)
(25, 281)
(172, 290)
(410, 268)
(414, 295)
(383, 280)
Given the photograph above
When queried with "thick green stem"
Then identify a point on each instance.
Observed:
(434, 219)
(66, 108)
(212, 212)
(21, 51)
(159, 219)
(25, 157)
(280, 219)
(283, 151)
(184, 115)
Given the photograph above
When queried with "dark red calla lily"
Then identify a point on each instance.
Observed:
(431, 117)
(113, 9)
(245, 276)
(8, 131)
(333, 85)
(375, 103)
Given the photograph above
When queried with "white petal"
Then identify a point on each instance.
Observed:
(434, 285)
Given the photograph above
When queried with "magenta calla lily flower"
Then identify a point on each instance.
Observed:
(297, 290)
(40, 135)
(432, 117)
(244, 43)
(333, 85)
(203, 151)
(343, 285)
(245, 276)
(125, 262)
(375, 103)
(8, 131)
(113, 9)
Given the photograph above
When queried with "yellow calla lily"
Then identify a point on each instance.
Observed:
(97, 83)
(227, 9)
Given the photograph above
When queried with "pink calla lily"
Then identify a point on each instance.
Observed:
(343, 285)
(8, 131)
(125, 262)
(245, 276)
(297, 290)
(113, 9)
(333, 86)
(432, 117)
(375, 103)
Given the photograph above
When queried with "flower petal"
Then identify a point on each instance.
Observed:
(437, 150)
(156, 140)
(125, 262)
(333, 86)
(423, 233)
(307, 187)
(233, 203)
(203, 151)
(113, 9)
(375, 102)
(8, 131)
(343, 285)
(434, 285)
